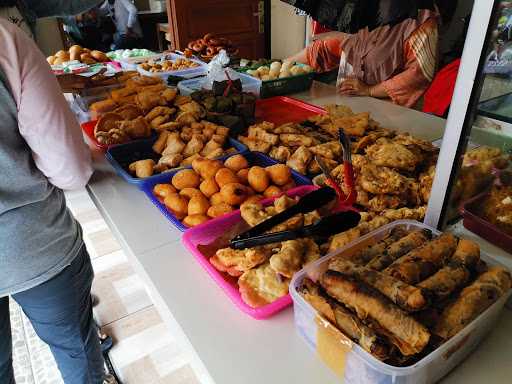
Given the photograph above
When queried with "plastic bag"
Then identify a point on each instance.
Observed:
(219, 71)
(345, 71)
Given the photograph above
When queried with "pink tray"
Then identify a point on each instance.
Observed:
(211, 230)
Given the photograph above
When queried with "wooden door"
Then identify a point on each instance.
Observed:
(242, 21)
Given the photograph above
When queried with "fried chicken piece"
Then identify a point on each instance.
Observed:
(381, 180)
(300, 159)
(281, 153)
(379, 203)
(169, 94)
(236, 261)
(255, 144)
(257, 132)
(296, 140)
(286, 128)
(129, 111)
(265, 125)
(174, 144)
(137, 128)
(390, 154)
(331, 150)
(289, 259)
(411, 141)
(195, 145)
(486, 154)
(253, 213)
(405, 213)
(426, 180)
(261, 286)
(342, 239)
(292, 223)
(355, 125)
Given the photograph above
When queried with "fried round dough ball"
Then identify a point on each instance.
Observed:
(194, 220)
(219, 210)
(198, 205)
(187, 178)
(233, 193)
(243, 176)
(216, 199)
(190, 192)
(280, 174)
(236, 163)
(272, 191)
(163, 190)
(258, 178)
(177, 204)
(206, 168)
(209, 187)
(225, 176)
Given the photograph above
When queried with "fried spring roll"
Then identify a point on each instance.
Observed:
(365, 255)
(423, 262)
(404, 295)
(407, 334)
(456, 274)
(399, 248)
(473, 300)
(345, 321)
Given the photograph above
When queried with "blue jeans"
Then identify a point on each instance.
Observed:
(60, 311)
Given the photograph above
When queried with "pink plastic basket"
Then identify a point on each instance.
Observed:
(206, 233)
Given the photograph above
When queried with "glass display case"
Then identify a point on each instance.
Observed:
(472, 185)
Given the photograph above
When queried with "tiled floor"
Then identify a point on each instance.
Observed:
(144, 352)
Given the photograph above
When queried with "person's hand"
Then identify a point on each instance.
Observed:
(354, 87)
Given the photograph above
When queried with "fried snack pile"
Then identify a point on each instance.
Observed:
(209, 46)
(168, 65)
(497, 208)
(406, 294)
(264, 272)
(212, 188)
(78, 53)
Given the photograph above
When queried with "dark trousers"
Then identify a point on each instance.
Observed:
(60, 311)
(126, 42)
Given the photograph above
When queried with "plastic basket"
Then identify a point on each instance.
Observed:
(360, 367)
(211, 230)
(190, 72)
(254, 158)
(249, 85)
(121, 156)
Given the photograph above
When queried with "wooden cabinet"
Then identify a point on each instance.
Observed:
(242, 21)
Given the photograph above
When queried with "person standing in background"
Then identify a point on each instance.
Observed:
(124, 14)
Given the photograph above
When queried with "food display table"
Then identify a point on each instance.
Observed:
(227, 346)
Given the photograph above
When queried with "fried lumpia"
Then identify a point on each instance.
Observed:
(399, 248)
(407, 334)
(344, 320)
(473, 300)
(404, 295)
(365, 255)
(456, 274)
(423, 262)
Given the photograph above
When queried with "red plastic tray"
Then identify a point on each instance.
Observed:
(476, 224)
(281, 110)
(88, 129)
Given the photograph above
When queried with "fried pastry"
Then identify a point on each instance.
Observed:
(161, 142)
(129, 111)
(194, 146)
(261, 286)
(311, 251)
(295, 140)
(300, 160)
(142, 168)
(381, 180)
(136, 128)
(331, 150)
(257, 132)
(174, 145)
(159, 111)
(253, 213)
(255, 144)
(387, 153)
(237, 261)
(281, 153)
(289, 259)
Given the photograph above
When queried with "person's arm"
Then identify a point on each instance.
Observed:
(321, 55)
(44, 118)
(56, 8)
(132, 13)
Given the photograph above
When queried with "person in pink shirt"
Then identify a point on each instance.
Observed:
(44, 265)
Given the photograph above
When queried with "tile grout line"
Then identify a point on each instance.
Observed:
(128, 315)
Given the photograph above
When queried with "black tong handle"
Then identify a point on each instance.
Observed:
(307, 203)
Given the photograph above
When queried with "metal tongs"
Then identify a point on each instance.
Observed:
(348, 173)
(323, 227)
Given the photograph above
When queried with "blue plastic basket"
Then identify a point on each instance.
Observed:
(254, 158)
(121, 156)
(249, 85)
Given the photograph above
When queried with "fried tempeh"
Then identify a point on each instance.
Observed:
(423, 262)
(344, 320)
(365, 255)
(399, 248)
(404, 295)
(408, 335)
(456, 273)
(473, 300)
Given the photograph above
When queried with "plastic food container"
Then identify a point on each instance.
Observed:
(190, 72)
(285, 86)
(88, 129)
(122, 155)
(476, 224)
(254, 158)
(356, 365)
(281, 110)
(249, 85)
(211, 230)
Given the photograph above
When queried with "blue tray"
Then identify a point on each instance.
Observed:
(121, 156)
(254, 158)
